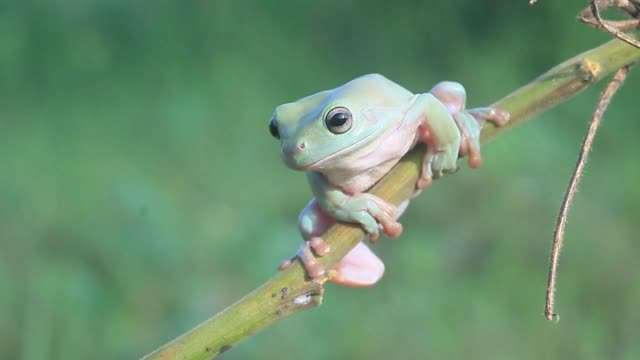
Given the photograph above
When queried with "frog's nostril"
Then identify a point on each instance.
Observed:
(302, 145)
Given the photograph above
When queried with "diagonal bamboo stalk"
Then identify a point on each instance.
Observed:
(288, 292)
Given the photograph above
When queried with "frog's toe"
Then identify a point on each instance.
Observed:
(497, 116)
(424, 182)
(445, 162)
(286, 263)
(426, 175)
(392, 229)
(311, 264)
(319, 246)
(385, 214)
(470, 133)
(368, 223)
(374, 214)
(380, 207)
(306, 255)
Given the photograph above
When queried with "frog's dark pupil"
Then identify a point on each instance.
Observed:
(339, 119)
(273, 129)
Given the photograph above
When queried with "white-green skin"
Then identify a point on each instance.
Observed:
(383, 122)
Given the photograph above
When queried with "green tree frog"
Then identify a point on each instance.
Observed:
(347, 138)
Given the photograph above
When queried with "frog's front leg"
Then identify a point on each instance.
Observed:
(436, 128)
(368, 210)
(469, 122)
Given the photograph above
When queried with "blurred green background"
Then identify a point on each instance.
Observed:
(141, 193)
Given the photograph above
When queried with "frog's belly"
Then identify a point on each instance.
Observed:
(359, 171)
(352, 182)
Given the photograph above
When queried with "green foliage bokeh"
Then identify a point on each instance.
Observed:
(141, 193)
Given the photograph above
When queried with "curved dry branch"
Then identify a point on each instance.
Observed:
(572, 188)
(289, 292)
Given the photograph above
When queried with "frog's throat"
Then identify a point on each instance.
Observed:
(314, 165)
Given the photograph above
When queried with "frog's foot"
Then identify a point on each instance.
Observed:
(436, 163)
(374, 214)
(306, 254)
(359, 268)
(470, 123)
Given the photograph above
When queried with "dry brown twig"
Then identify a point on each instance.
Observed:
(591, 16)
(561, 221)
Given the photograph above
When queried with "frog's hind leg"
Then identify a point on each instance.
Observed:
(359, 268)
(312, 222)
(469, 122)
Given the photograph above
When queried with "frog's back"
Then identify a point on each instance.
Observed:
(374, 89)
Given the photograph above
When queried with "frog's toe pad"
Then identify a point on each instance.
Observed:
(306, 255)
(319, 246)
(359, 268)
(424, 181)
(392, 229)
(499, 117)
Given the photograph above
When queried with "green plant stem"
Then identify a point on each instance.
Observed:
(289, 292)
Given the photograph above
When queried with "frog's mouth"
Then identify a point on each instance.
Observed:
(318, 164)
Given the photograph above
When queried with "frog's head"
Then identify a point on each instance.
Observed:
(333, 124)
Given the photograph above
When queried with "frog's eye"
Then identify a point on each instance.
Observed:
(339, 120)
(273, 128)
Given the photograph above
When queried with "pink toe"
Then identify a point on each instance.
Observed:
(359, 268)
(424, 182)
(319, 246)
(285, 264)
(475, 160)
